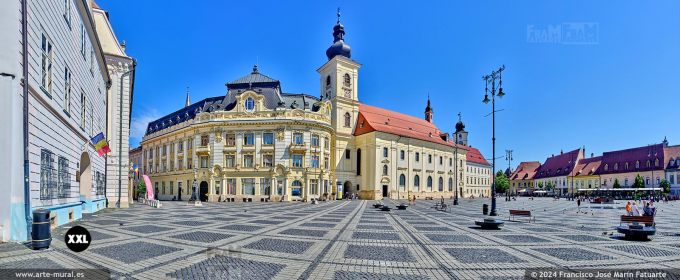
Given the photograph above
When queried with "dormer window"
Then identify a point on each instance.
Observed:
(606, 167)
(250, 104)
(637, 164)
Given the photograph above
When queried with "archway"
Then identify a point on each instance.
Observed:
(346, 189)
(296, 189)
(203, 191)
(85, 177)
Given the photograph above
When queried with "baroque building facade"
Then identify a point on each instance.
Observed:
(121, 70)
(259, 143)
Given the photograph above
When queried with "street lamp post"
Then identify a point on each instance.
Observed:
(455, 166)
(495, 75)
(508, 157)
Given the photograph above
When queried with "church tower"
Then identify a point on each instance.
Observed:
(428, 111)
(461, 135)
(338, 79)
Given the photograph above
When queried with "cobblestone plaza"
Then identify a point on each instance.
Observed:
(352, 240)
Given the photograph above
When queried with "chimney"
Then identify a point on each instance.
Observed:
(592, 154)
(561, 152)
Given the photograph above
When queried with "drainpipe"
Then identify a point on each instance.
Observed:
(120, 133)
(24, 41)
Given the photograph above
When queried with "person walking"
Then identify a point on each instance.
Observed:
(414, 200)
(578, 203)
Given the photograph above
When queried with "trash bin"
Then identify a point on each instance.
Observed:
(485, 209)
(41, 234)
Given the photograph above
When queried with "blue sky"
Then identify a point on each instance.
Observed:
(615, 89)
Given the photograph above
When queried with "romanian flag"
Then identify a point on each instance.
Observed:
(136, 168)
(100, 144)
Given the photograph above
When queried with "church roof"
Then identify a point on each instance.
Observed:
(378, 119)
(525, 171)
(475, 156)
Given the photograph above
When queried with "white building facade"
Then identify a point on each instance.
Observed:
(54, 71)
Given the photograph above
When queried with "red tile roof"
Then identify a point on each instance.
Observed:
(559, 165)
(377, 119)
(474, 156)
(631, 156)
(587, 166)
(525, 170)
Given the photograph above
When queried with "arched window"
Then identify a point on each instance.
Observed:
(402, 181)
(429, 183)
(348, 119)
(250, 104)
(616, 166)
(649, 163)
(416, 183)
(626, 165)
(637, 164)
(358, 161)
(348, 80)
(385, 170)
(606, 167)
(296, 188)
(450, 184)
(328, 81)
(441, 184)
(656, 162)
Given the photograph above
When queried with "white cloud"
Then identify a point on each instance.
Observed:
(139, 124)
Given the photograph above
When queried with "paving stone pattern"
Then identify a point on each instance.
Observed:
(352, 240)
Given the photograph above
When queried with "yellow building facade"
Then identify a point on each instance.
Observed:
(257, 143)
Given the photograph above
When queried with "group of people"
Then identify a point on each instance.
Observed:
(648, 209)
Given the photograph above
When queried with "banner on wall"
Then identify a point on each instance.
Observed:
(149, 188)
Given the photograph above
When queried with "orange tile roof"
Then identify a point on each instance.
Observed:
(525, 171)
(377, 119)
(587, 166)
(473, 155)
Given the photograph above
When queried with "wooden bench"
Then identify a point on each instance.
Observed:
(402, 206)
(385, 208)
(523, 213)
(638, 227)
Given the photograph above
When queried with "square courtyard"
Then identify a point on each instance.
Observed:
(351, 240)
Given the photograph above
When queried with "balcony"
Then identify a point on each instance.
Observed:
(298, 147)
(203, 150)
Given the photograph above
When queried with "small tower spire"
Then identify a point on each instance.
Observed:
(188, 101)
(338, 15)
(428, 110)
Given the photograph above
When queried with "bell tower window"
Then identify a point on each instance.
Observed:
(328, 81)
(347, 80)
(348, 119)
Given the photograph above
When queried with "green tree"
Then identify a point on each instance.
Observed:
(639, 182)
(617, 184)
(665, 187)
(502, 182)
(140, 189)
(540, 185)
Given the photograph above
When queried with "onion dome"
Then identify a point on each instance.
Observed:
(339, 47)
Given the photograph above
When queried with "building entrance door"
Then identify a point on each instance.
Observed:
(203, 191)
(384, 190)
